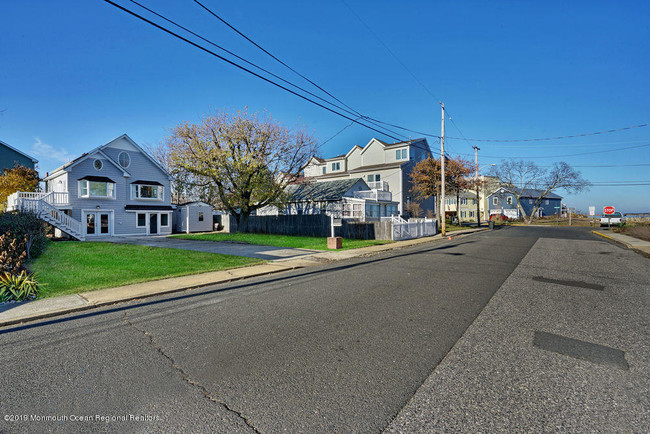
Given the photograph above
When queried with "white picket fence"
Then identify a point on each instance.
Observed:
(414, 229)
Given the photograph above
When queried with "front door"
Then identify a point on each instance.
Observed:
(153, 224)
(98, 223)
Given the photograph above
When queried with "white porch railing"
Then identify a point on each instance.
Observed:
(44, 206)
(56, 198)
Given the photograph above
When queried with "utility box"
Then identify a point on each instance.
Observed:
(334, 242)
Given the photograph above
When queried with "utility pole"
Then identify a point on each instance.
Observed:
(443, 228)
(478, 199)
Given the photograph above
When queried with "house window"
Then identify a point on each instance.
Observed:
(463, 213)
(200, 216)
(400, 154)
(463, 201)
(142, 220)
(336, 166)
(471, 213)
(98, 189)
(124, 159)
(164, 219)
(509, 200)
(530, 201)
(143, 191)
(324, 170)
(546, 202)
(374, 178)
(495, 201)
(97, 164)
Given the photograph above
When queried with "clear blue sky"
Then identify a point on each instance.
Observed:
(76, 74)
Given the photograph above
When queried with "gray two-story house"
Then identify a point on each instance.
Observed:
(117, 189)
(10, 157)
(503, 201)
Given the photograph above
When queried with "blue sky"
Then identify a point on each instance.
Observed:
(77, 74)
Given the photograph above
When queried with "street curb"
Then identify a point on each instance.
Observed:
(623, 243)
(346, 254)
(89, 306)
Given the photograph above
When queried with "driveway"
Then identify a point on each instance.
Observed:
(225, 248)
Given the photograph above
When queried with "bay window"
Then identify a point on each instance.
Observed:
(150, 191)
(96, 187)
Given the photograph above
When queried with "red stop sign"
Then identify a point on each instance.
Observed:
(609, 210)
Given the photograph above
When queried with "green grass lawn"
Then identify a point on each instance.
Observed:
(315, 243)
(70, 267)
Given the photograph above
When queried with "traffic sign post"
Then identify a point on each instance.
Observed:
(609, 210)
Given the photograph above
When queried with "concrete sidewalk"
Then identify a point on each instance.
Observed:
(630, 242)
(14, 313)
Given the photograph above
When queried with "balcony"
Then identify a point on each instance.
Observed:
(378, 185)
(378, 195)
(54, 198)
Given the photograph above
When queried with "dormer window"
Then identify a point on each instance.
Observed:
(324, 170)
(96, 187)
(336, 166)
(400, 154)
(146, 190)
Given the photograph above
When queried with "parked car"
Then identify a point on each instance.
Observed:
(614, 219)
(498, 218)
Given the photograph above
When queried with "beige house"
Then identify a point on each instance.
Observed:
(383, 166)
(467, 205)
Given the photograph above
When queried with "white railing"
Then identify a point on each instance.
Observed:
(56, 198)
(385, 196)
(42, 204)
(378, 185)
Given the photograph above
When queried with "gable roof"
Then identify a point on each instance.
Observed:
(322, 191)
(19, 151)
(86, 155)
(531, 193)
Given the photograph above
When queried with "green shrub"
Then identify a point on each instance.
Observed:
(26, 227)
(18, 287)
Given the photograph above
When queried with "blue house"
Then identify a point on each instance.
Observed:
(10, 156)
(116, 189)
(504, 201)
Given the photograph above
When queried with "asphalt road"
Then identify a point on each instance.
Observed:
(341, 347)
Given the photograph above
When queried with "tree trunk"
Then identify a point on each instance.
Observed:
(242, 221)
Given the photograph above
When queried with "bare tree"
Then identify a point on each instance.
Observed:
(248, 159)
(518, 176)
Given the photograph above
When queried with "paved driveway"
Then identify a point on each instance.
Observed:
(226, 248)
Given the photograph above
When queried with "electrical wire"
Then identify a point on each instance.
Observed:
(246, 69)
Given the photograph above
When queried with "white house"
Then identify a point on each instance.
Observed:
(116, 189)
(384, 166)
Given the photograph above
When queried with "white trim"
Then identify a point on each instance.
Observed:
(79, 196)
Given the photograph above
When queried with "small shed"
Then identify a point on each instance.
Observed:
(193, 217)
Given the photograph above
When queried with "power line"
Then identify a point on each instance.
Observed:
(565, 155)
(354, 112)
(340, 131)
(539, 139)
(367, 118)
(245, 69)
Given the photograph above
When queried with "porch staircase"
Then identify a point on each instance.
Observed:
(44, 206)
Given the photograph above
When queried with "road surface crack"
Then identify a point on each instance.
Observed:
(186, 377)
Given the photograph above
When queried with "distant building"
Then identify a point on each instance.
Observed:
(10, 156)
(503, 201)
